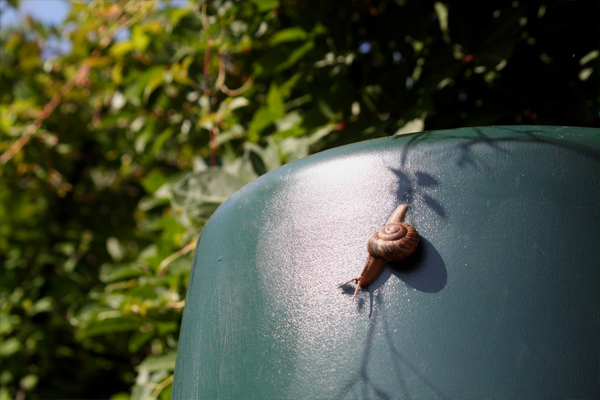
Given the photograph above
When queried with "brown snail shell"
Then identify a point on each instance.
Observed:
(394, 241)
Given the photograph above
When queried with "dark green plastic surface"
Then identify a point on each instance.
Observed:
(502, 299)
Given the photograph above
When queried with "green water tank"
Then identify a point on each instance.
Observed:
(500, 300)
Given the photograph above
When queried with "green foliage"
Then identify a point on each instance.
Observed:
(114, 155)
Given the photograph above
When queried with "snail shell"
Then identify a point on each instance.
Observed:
(394, 241)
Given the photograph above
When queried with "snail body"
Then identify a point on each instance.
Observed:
(395, 241)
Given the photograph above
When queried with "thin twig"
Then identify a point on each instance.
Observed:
(45, 114)
(213, 132)
(207, 67)
(221, 76)
(220, 84)
(160, 387)
(80, 78)
(240, 90)
(163, 265)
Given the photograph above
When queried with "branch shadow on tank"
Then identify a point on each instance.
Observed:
(413, 186)
(425, 270)
(362, 385)
(411, 178)
(473, 136)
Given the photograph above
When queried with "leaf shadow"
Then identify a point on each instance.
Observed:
(426, 270)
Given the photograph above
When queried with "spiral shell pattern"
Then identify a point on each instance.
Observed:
(394, 241)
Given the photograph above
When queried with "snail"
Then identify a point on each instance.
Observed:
(395, 241)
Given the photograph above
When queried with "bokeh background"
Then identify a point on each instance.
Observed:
(124, 124)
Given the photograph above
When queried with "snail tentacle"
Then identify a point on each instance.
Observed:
(398, 214)
(355, 280)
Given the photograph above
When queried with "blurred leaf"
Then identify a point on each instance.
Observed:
(29, 382)
(268, 114)
(9, 347)
(184, 51)
(275, 101)
(153, 180)
(415, 125)
(147, 203)
(139, 39)
(178, 13)
(288, 35)
(110, 325)
(7, 324)
(119, 273)
(156, 79)
(138, 339)
(141, 85)
(166, 327)
(234, 103)
(441, 12)
(197, 195)
(116, 251)
(45, 304)
(159, 363)
(265, 5)
(120, 49)
(326, 110)
(4, 393)
(289, 85)
(161, 140)
(295, 56)
(321, 133)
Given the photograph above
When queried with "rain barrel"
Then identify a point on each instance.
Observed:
(500, 300)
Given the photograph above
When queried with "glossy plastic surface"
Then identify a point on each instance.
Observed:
(501, 300)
